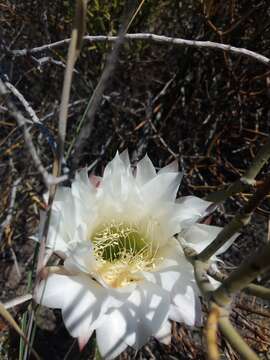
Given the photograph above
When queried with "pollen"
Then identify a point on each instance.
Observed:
(122, 251)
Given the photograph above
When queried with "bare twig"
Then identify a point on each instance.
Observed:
(73, 53)
(55, 111)
(227, 232)
(211, 333)
(48, 178)
(49, 60)
(258, 290)
(235, 339)
(8, 219)
(251, 289)
(16, 264)
(23, 101)
(17, 301)
(153, 38)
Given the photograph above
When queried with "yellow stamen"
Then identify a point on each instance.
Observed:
(122, 251)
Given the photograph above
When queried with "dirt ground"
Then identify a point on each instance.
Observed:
(205, 108)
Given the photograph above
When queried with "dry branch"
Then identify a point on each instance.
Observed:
(31, 112)
(73, 53)
(243, 275)
(152, 38)
(8, 219)
(236, 340)
(211, 333)
(48, 178)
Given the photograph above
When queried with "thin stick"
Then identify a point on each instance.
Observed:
(211, 333)
(23, 101)
(17, 301)
(235, 339)
(73, 53)
(48, 178)
(156, 39)
(258, 290)
(251, 289)
(8, 219)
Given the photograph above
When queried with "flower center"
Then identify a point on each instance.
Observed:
(115, 241)
(122, 251)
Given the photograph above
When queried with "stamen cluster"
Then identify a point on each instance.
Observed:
(122, 251)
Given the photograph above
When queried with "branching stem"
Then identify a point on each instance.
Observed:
(238, 221)
(243, 275)
(236, 340)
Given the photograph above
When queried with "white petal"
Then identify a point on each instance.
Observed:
(173, 272)
(189, 306)
(172, 167)
(57, 238)
(162, 188)
(191, 209)
(172, 255)
(82, 300)
(70, 223)
(164, 214)
(175, 314)
(164, 333)
(81, 234)
(73, 209)
(67, 211)
(83, 178)
(145, 171)
(37, 236)
(111, 334)
(62, 193)
(117, 183)
(78, 211)
(50, 291)
(175, 275)
(199, 236)
(149, 309)
(82, 187)
(114, 167)
(82, 259)
(124, 156)
(155, 227)
(85, 307)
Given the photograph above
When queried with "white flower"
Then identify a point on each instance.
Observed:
(125, 274)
